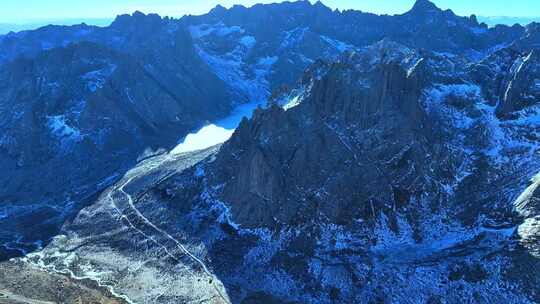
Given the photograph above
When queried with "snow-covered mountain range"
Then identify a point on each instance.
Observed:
(392, 159)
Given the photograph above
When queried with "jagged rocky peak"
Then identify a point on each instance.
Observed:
(351, 114)
(307, 4)
(530, 39)
(383, 77)
(427, 11)
(319, 5)
(533, 28)
(217, 10)
(137, 20)
(275, 10)
(422, 7)
(362, 92)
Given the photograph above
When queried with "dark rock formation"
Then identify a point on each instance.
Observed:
(328, 145)
(522, 86)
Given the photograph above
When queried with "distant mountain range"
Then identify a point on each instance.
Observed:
(508, 20)
(31, 25)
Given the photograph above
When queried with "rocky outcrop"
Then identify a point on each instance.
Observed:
(522, 86)
(317, 153)
(528, 206)
(530, 39)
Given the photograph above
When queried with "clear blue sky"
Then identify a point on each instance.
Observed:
(24, 11)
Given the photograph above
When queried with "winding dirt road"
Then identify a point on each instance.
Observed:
(124, 204)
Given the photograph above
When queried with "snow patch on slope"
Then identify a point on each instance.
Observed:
(96, 79)
(293, 102)
(59, 127)
(248, 80)
(248, 41)
(293, 37)
(206, 137)
(336, 44)
(219, 29)
(217, 132)
(437, 95)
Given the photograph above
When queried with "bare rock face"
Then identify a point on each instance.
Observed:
(530, 39)
(522, 88)
(327, 146)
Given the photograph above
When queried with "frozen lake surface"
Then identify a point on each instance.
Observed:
(217, 132)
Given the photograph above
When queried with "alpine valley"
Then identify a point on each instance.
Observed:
(389, 159)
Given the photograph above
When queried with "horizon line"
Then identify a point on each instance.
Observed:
(102, 20)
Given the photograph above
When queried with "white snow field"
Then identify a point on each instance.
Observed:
(217, 132)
